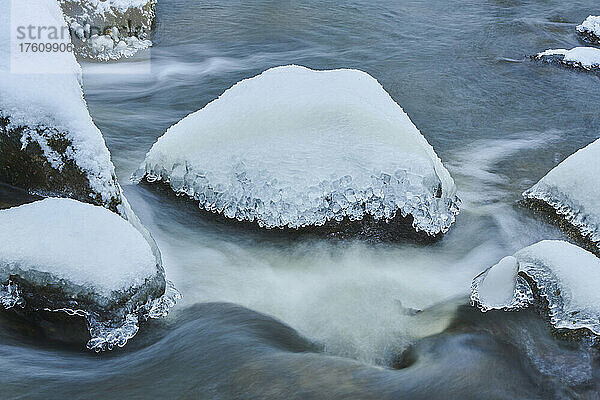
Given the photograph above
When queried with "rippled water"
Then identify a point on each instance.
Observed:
(345, 310)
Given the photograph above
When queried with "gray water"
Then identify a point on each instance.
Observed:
(271, 317)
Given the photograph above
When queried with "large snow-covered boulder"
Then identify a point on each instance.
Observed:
(293, 148)
(587, 58)
(64, 256)
(562, 277)
(48, 141)
(589, 30)
(109, 29)
(572, 191)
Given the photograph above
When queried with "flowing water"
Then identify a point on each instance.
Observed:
(266, 316)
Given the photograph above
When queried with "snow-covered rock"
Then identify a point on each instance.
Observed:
(572, 190)
(589, 30)
(48, 141)
(61, 255)
(49, 145)
(587, 58)
(109, 29)
(293, 147)
(563, 276)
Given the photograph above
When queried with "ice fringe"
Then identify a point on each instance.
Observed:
(294, 147)
(565, 276)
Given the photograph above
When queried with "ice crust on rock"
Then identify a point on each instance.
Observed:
(295, 147)
(572, 189)
(587, 58)
(62, 255)
(109, 30)
(589, 29)
(48, 110)
(566, 276)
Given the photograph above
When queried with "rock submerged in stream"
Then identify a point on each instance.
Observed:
(294, 148)
(75, 259)
(561, 279)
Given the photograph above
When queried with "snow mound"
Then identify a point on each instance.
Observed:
(45, 114)
(572, 189)
(111, 29)
(294, 147)
(587, 58)
(499, 287)
(66, 256)
(589, 29)
(565, 276)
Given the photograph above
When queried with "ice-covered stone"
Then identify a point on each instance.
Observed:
(564, 276)
(109, 29)
(293, 147)
(589, 30)
(572, 190)
(48, 141)
(587, 58)
(61, 255)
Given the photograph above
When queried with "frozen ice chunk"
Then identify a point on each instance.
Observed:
(66, 256)
(497, 284)
(293, 147)
(109, 29)
(572, 190)
(589, 29)
(566, 277)
(587, 58)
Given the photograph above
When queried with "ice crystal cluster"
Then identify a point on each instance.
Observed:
(295, 147)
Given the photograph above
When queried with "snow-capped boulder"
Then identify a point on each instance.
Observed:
(294, 148)
(562, 277)
(64, 256)
(589, 30)
(48, 141)
(587, 58)
(572, 191)
(109, 29)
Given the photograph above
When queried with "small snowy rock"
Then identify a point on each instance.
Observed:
(566, 277)
(66, 256)
(294, 147)
(587, 58)
(572, 190)
(589, 30)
